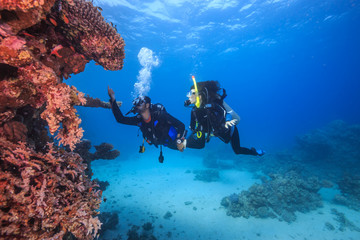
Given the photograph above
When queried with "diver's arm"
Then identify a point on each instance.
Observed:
(177, 124)
(192, 121)
(120, 117)
(234, 116)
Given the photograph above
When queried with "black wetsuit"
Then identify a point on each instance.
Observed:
(210, 120)
(162, 129)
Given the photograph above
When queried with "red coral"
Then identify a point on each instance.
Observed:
(37, 59)
(43, 201)
(14, 131)
(27, 12)
(45, 193)
(99, 40)
(22, 5)
(60, 101)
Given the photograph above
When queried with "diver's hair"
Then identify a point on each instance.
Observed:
(209, 90)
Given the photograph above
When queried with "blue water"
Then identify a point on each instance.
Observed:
(288, 66)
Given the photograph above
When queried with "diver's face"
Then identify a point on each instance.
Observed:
(192, 96)
(141, 107)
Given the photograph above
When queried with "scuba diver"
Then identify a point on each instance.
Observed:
(211, 116)
(158, 127)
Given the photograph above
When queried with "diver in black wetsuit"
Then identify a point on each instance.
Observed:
(211, 116)
(156, 124)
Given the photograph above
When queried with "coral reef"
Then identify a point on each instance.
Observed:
(337, 143)
(329, 152)
(44, 191)
(102, 184)
(349, 186)
(109, 221)
(280, 197)
(99, 41)
(334, 152)
(43, 42)
(103, 151)
(95, 102)
(146, 232)
(344, 222)
(45, 195)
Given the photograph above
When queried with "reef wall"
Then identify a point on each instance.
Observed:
(44, 191)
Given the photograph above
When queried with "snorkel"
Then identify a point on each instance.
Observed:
(197, 103)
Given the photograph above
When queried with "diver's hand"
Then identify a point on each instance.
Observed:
(230, 123)
(111, 93)
(181, 146)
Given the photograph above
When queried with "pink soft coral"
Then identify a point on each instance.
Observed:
(60, 109)
(48, 194)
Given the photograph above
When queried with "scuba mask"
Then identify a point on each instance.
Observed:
(188, 102)
(136, 102)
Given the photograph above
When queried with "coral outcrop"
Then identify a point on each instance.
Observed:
(343, 222)
(349, 186)
(44, 191)
(43, 42)
(280, 197)
(337, 143)
(45, 195)
(95, 102)
(109, 221)
(331, 152)
(103, 151)
(143, 233)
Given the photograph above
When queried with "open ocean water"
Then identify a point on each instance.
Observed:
(291, 70)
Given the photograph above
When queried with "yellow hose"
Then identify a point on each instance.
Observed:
(197, 103)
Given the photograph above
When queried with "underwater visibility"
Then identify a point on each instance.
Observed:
(178, 119)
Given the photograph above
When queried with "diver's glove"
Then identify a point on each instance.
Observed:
(181, 144)
(230, 123)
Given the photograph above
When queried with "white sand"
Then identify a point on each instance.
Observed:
(144, 190)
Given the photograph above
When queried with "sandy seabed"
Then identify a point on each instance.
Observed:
(143, 190)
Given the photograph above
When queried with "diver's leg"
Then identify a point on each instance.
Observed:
(235, 144)
(194, 142)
